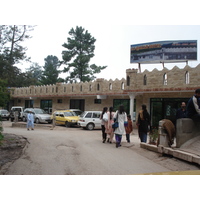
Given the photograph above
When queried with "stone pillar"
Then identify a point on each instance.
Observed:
(132, 97)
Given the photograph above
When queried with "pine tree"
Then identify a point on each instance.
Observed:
(51, 72)
(80, 49)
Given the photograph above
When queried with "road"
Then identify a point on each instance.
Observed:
(74, 151)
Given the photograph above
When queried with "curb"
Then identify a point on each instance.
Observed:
(23, 125)
(177, 153)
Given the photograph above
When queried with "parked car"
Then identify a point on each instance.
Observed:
(4, 114)
(18, 110)
(40, 116)
(65, 117)
(90, 120)
(77, 111)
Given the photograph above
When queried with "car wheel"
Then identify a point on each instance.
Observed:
(37, 121)
(90, 126)
(67, 124)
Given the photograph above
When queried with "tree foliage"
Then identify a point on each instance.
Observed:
(4, 94)
(80, 49)
(51, 72)
(12, 52)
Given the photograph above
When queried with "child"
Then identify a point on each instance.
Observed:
(129, 128)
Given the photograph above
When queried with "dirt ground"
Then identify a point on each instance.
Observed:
(11, 148)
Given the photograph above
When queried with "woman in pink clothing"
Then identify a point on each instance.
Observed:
(109, 129)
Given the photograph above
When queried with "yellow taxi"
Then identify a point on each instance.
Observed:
(65, 117)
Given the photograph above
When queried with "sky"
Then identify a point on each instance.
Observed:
(114, 24)
(112, 46)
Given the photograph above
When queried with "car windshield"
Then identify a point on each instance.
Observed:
(82, 114)
(77, 112)
(69, 114)
(39, 111)
(3, 111)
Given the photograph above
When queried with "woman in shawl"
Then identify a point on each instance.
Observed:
(121, 117)
(143, 122)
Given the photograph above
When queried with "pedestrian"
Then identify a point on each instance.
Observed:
(193, 107)
(143, 123)
(181, 112)
(110, 131)
(53, 121)
(30, 121)
(129, 128)
(104, 123)
(121, 117)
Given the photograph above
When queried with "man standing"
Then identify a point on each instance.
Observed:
(30, 121)
(193, 107)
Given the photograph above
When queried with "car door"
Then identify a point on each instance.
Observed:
(57, 117)
(96, 119)
(62, 118)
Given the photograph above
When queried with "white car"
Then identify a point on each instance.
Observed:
(90, 120)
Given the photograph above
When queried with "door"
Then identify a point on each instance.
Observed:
(96, 119)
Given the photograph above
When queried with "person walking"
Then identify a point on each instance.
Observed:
(104, 123)
(143, 122)
(109, 131)
(129, 128)
(30, 121)
(121, 117)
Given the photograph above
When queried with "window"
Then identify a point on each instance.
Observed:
(128, 80)
(89, 115)
(97, 101)
(187, 78)
(59, 101)
(64, 89)
(122, 86)
(165, 79)
(81, 88)
(98, 87)
(110, 86)
(145, 80)
(90, 87)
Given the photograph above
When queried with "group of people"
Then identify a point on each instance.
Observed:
(124, 125)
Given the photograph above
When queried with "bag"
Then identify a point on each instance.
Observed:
(105, 117)
(115, 125)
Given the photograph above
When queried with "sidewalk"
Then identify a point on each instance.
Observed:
(190, 151)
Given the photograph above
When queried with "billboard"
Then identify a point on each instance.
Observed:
(164, 52)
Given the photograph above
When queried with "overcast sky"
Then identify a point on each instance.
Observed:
(114, 24)
(112, 44)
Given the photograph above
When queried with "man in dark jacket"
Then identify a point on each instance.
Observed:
(193, 107)
(181, 112)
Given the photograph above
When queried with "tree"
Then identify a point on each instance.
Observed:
(11, 50)
(4, 94)
(34, 72)
(51, 72)
(80, 49)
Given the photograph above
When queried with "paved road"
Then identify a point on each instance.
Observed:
(74, 151)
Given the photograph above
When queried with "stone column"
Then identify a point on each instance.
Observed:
(132, 97)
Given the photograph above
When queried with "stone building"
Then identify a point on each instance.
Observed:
(162, 91)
